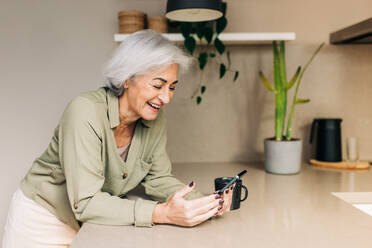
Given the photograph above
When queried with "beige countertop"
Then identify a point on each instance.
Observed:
(281, 211)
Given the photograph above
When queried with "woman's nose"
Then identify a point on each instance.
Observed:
(165, 97)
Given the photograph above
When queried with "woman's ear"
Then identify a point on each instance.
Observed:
(126, 84)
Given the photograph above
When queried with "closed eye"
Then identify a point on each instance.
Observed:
(159, 87)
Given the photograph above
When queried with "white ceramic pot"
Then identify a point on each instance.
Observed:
(283, 157)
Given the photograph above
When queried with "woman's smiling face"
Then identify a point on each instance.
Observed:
(147, 94)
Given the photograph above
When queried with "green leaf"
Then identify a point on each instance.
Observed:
(277, 79)
(198, 100)
(282, 66)
(200, 29)
(265, 82)
(186, 28)
(228, 59)
(221, 24)
(294, 78)
(222, 70)
(208, 34)
(190, 44)
(223, 7)
(202, 60)
(212, 55)
(309, 61)
(202, 89)
(301, 101)
(193, 30)
(201, 25)
(236, 76)
(295, 99)
(199, 33)
(219, 46)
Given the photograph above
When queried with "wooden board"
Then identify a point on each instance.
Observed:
(342, 165)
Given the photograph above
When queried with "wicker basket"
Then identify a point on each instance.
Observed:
(131, 21)
(157, 23)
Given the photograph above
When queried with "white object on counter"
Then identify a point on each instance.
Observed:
(352, 149)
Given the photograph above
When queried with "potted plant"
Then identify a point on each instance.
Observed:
(282, 152)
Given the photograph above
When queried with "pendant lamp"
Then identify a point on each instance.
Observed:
(193, 10)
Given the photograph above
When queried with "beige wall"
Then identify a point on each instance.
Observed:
(52, 50)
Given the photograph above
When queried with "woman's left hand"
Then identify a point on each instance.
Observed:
(227, 197)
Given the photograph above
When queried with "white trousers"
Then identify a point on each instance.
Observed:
(32, 226)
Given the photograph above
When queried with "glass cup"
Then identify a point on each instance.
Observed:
(352, 149)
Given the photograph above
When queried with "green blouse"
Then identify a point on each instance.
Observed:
(81, 176)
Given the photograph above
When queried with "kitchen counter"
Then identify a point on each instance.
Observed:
(281, 211)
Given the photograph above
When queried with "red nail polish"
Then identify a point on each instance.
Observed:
(219, 208)
(221, 201)
(191, 184)
(227, 191)
(231, 187)
(217, 197)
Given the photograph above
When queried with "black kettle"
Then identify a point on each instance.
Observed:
(328, 139)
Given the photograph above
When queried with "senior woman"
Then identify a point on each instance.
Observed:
(107, 142)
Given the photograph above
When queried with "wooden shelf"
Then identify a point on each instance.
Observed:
(231, 38)
(360, 33)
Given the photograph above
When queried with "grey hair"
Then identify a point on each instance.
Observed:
(140, 53)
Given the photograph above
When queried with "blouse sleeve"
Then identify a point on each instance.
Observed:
(159, 183)
(80, 147)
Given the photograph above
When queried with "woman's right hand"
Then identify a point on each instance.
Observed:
(188, 213)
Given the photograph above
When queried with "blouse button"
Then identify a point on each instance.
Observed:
(125, 175)
(75, 205)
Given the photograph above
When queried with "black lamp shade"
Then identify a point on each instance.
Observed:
(193, 10)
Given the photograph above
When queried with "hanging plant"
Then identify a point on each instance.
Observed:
(212, 49)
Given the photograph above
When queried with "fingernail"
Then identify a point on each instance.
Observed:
(219, 192)
(215, 192)
(231, 187)
(221, 201)
(191, 184)
(219, 208)
(217, 197)
(227, 191)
